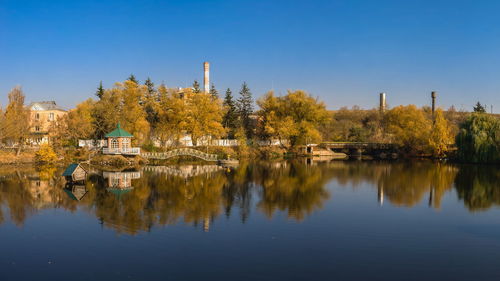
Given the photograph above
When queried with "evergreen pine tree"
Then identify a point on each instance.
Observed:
(100, 91)
(479, 108)
(151, 90)
(213, 92)
(196, 87)
(132, 79)
(230, 119)
(150, 101)
(245, 109)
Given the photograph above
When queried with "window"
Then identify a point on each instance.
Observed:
(51, 116)
(37, 128)
(37, 116)
(114, 143)
(126, 143)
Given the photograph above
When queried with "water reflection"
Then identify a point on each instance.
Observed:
(135, 201)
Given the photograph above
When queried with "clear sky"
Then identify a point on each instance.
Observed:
(344, 52)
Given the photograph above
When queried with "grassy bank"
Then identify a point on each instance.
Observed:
(10, 157)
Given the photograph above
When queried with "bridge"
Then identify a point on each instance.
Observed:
(358, 145)
(359, 148)
(180, 152)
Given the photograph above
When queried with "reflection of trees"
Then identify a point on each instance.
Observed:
(158, 199)
(295, 188)
(402, 183)
(26, 190)
(237, 190)
(478, 186)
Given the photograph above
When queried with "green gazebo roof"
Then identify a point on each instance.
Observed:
(119, 132)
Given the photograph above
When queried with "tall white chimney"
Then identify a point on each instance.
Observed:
(206, 77)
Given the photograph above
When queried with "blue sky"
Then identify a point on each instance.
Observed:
(344, 52)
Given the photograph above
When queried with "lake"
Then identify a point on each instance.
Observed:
(295, 220)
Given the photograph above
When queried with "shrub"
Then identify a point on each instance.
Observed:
(45, 154)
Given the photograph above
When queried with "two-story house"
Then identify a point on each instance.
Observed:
(43, 114)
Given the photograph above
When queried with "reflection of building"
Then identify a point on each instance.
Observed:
(42, 116)
(76, 192)
(42, 192)
(120, 180)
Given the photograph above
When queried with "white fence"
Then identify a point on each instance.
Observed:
(92, 143)
(126, 151)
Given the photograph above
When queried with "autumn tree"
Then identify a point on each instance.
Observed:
(16, 126)
(293, 119)
(230, 118)
(441, 135)
(355, 124)
(204, 117)
(245, 109)
(172, 116)
(105, 114)
(409, 128)
(132, 116)
(80, 121)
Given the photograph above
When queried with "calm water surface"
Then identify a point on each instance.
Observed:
(269, 221)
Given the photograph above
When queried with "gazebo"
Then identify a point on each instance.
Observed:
(119, 142)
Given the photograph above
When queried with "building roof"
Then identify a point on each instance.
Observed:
(70, 169)
(44, 105)
(77, 192)
(119, 132)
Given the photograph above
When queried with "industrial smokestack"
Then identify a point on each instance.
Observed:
(433, 95)
(382, 105)
(206, 78)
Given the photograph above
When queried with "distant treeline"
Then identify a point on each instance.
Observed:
(160, 115)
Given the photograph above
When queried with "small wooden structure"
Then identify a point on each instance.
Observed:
(75, 173)
(75, 192)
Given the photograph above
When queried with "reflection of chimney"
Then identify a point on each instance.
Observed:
(382, 103)
(206, 224)
(380, 194)
(433, 95)
(431, 196)
(206, 78)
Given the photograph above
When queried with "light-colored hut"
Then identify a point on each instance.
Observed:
(75, 173)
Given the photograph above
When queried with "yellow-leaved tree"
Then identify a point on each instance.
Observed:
(80, 122)
(441, 136)
(46, 154)
(409, 127)
(293, 119)
(16, 126)
(132, 115)
(172, 115)
(204, 116)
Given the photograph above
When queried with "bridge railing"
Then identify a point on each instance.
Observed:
(127, 151)
(180, 152)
